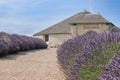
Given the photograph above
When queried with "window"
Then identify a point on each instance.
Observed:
(107, 23)
(46, 38)
(74, 24)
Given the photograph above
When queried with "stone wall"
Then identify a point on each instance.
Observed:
(40, 36)
(58, 39)
(84, 28)
(55, 39)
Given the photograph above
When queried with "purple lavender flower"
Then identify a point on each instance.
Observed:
(13, 43)
(68, 50)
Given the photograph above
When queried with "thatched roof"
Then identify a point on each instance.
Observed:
(114, 29)
(64, 26)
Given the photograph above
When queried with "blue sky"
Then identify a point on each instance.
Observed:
(30, 16)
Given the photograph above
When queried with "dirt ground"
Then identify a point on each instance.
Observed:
(31, 65)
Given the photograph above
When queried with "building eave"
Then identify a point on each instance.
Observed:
(50, 34)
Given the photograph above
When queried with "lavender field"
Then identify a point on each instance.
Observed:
(13, 43)
(91, 56)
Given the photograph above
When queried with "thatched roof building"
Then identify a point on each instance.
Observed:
(77, 24)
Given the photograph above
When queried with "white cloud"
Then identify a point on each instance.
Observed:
(14, 3)
(18, 6)
(3, 1)
(24, 26)
(91, 5)
(14, 22)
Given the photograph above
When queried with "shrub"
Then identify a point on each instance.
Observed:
(3, 48)
(111, 71)
(13, 43)
(94, 55)
(29, 43)
(68, 50)
(84, 57)
(10, 41)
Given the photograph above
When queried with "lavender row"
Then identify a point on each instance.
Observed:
(68, 50)
(13, 43)
(112, 70)
(94, 55)
(83, 57)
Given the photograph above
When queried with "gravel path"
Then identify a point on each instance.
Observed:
(32, 65)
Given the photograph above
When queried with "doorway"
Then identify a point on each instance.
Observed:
(46, 38)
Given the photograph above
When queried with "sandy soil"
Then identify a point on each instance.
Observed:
(32, 65)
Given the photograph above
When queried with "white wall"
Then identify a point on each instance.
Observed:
(58, 39)
(40, 36)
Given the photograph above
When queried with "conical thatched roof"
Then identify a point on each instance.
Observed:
(64, 26)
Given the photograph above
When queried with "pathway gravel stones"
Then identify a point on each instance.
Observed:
(31, 65)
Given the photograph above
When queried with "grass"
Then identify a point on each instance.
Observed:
(92, 68)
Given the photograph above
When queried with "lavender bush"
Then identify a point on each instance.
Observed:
(70, 48)
(13, 43)
(3, 48)
(94, 55)
(84, 57)
(112, 70)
